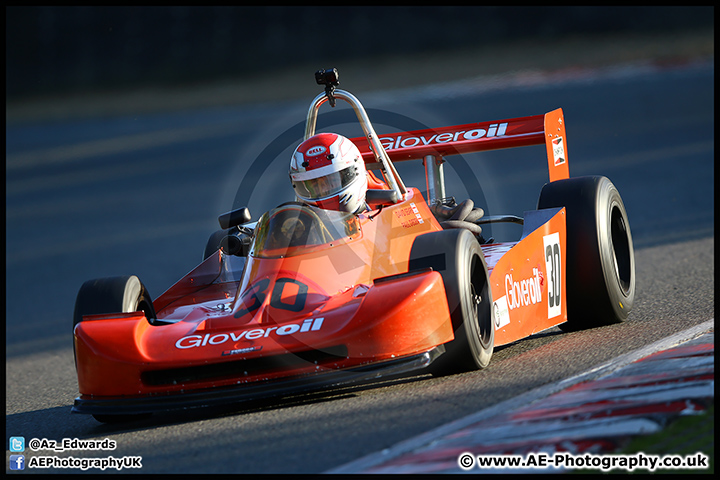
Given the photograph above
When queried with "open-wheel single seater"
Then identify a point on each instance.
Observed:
(305, 298)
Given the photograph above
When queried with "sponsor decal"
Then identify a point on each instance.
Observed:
(255, 348)
(193, 341)
(558, 147)
(315, 151)
(494, 130)
(409, 216)
(525, 292)
(554, 273)
(502, 314)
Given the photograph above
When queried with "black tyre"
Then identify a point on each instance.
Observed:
(600, 273)
(457, 256)
(123, 294)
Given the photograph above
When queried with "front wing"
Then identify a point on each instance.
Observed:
(236, 394)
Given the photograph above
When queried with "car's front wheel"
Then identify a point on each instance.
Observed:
(124, 294)
(457, 256)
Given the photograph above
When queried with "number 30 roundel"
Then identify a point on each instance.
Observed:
(255, 296)
(553, 268)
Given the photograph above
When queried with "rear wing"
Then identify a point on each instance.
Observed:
(430, 145)
(548, 129)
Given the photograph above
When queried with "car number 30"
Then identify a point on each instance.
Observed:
(255, 296)
(554, 271)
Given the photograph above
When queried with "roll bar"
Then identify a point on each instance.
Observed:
(376, 147)
(433, 144)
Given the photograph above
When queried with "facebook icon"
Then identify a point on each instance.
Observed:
(17, 462)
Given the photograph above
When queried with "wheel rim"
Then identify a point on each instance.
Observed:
(622, 257)
(476, 299)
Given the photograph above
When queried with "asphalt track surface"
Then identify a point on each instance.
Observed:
(139, 194)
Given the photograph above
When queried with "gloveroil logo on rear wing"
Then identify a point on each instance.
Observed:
(548, 129)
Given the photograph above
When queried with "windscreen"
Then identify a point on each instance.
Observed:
(293, 229)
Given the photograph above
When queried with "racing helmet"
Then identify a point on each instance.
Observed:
(328, 171)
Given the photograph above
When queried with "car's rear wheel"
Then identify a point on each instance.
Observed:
(600, 275)
(457, 256)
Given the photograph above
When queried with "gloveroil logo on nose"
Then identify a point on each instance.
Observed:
(193, 341)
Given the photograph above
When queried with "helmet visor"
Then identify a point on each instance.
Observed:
(327, 185)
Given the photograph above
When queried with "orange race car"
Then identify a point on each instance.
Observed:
(313, 295)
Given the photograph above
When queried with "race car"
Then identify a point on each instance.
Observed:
(306, 298)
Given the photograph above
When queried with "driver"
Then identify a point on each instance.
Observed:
(328, 171)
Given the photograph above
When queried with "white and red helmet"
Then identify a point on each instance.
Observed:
(328, 171)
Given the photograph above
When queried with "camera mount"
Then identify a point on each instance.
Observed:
(329, 78)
